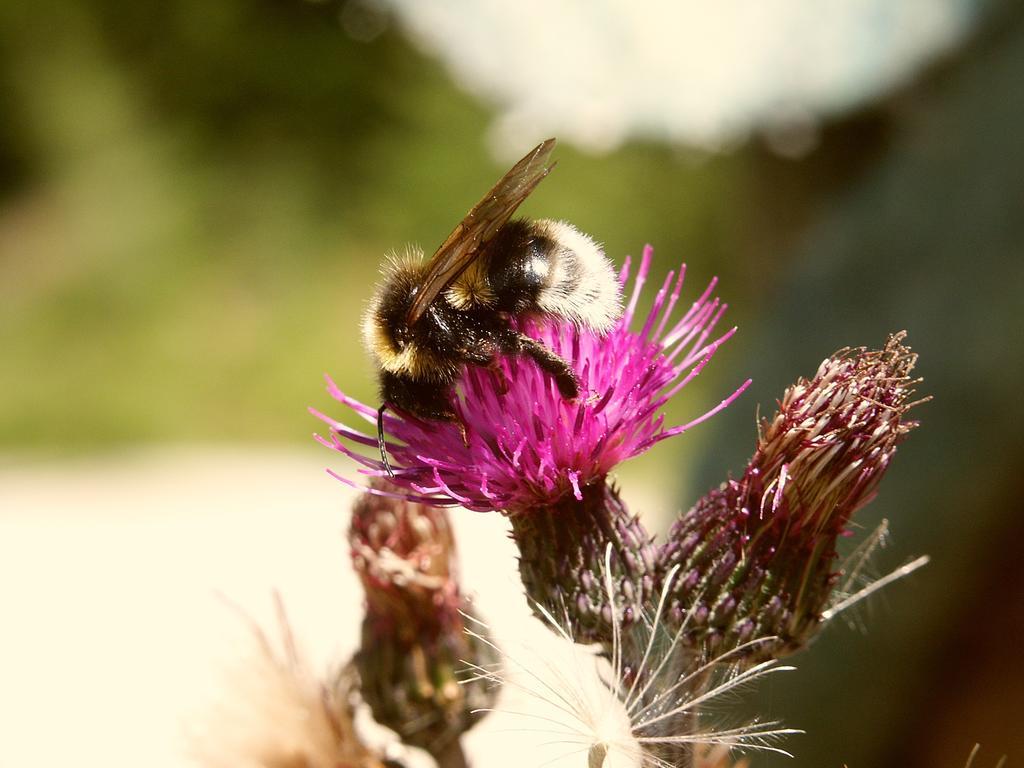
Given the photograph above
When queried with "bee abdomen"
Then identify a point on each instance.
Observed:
(581, 284)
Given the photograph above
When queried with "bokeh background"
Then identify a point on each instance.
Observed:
(195, 199)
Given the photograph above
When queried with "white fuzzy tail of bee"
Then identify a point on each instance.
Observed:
(614, 714)
(583, 287)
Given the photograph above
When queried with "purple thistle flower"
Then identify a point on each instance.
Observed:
(529, 447)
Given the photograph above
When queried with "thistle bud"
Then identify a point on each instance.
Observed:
(562, 561)
(756, 555)
(413, 638)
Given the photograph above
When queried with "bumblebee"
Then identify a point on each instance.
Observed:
(430, 319)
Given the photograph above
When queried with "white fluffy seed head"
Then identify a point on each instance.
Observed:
(276, 713)
(583, 699)
(559, 701)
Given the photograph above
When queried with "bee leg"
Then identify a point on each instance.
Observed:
(380, 440)
(431, 401)
(550, 363)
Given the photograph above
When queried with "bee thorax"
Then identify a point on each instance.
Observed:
(472, 289)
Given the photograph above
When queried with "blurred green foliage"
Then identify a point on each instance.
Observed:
(196, 199)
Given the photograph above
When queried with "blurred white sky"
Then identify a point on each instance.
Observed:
(683, 71)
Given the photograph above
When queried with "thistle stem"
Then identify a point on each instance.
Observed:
(452, 756)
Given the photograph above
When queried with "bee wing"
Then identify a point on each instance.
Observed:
(468, 239)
